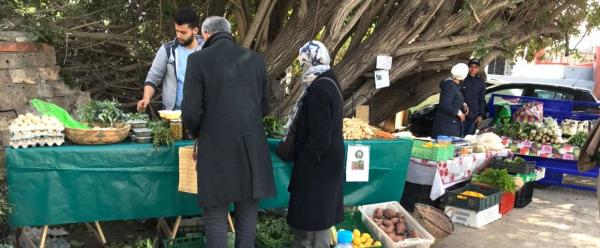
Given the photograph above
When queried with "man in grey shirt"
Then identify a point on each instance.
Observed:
(168, 67)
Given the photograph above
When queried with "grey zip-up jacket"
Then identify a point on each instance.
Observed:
(163, 71)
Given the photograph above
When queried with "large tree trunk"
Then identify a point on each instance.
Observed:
(424, 37)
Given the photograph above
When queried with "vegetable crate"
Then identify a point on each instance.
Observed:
(526, 167)
(471, 218)
(433, 153)
(524, 196)
(492, 197)
(527, 178)
(185, 242)
(352, 221)
(507, 202)
(424, 239)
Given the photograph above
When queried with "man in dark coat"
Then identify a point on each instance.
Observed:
(473, 90)
(451, 110)
(225, 98)
(316, 186)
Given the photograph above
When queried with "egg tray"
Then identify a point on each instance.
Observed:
(36, 133)
(47, 141)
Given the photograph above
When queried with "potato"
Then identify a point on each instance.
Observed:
(400, 215)
(378, 221)
(397, 238)
(389, 229)
(389, 213)
(400, 228)
(395, 220)
(388, 223)
(378, 213)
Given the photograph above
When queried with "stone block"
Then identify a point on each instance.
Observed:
(16, 96)
(15, 36)
(49, 73)
(24, 76)
(17, 60)
(5, 77)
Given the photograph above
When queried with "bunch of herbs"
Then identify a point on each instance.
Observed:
(105, 113)
(161, 134)
(497, 178)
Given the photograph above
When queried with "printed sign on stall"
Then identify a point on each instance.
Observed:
(358, 163)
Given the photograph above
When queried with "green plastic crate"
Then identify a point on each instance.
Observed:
(185, 242)
(527, 178)
(432, 153)
(353, 220)
(492, 197)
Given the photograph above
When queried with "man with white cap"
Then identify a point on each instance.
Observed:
(451, 110)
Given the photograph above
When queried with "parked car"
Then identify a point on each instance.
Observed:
(421, 120)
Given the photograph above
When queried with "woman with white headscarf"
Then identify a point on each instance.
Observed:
(316, 186)
(451, 111)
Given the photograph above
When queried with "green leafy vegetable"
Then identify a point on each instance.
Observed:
(104, 113)
(497, 178)
(273, 127)
(273, 229)
(161, 134)
(578, 139)
(136, 117)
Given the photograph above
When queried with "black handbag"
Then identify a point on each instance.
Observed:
(286, 148)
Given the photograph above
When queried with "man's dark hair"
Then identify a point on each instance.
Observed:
(187, 16)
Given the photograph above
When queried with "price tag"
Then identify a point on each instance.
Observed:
(357, 163)
(384, 62)
(546, 149)
(382, 79)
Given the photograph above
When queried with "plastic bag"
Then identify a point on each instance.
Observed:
(504, 115)
(50, 109)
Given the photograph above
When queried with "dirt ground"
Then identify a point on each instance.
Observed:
(557, 217)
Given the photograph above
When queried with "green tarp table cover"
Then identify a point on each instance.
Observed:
(74, 184)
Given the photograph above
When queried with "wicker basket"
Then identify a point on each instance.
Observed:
(98, 136)
(434, 221)
(188, 179)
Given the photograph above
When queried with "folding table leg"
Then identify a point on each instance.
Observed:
(44, 234)
(97, 231)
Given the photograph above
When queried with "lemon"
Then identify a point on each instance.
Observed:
(366, 235)
(362, 246)
(356, 241)
(363, 240)
(356, 233)
(377, 244)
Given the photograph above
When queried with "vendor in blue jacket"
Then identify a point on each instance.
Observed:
(473, 90)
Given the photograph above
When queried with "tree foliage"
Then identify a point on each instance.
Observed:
(107, 46)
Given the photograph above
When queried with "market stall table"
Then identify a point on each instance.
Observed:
(76, 184)
(444, 174)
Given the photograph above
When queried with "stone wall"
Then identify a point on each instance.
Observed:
(29, 70)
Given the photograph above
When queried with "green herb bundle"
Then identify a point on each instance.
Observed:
(578, 139)
(497, 178)
(161, 134)
(137, 117)
(273, 127)
(273, 229)
(104, 113)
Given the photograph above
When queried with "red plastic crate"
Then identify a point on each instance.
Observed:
(507, 202)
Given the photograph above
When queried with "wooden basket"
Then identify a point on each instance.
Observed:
(188, 179)
(434, 221)
(98, 136)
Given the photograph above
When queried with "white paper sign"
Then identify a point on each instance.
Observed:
(384, 62)
(382, 79)
(357, 163)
